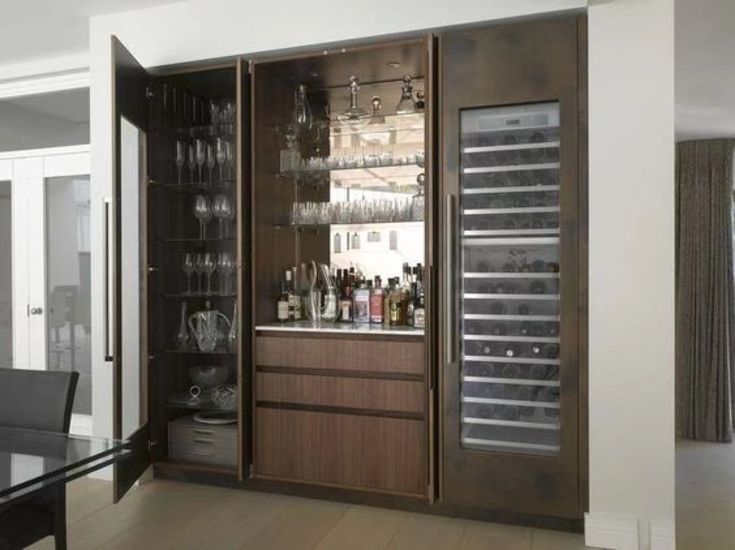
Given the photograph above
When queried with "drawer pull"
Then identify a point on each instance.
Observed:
(202, 432)
(199, 440)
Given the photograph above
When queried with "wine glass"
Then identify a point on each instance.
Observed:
(229, 160)
(203, 213)
(210, 160)
(200, 155)
(199, 270)
(191, 161)
(228, 213)
(221, 155)
(189, 266)
(208, 267)
(180, 157)
(226, 266)
(218, 212)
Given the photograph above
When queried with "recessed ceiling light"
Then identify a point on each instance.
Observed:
(393, 64)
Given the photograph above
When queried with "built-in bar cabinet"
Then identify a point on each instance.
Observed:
(358, 272)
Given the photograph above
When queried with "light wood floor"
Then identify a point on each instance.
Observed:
(168, 515)
(705, 495)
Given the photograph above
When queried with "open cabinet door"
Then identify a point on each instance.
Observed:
(128, 267)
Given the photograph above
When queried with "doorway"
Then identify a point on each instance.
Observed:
(45, 288)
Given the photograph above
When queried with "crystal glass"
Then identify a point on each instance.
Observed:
(214, 115)
(203, 213)
(208, 267)
(182, 335)
(191, 161)
(302, 110)
(221, 156)
(199, 270)
(211, 160)
(406, 105)
(180, 157)
(201, 152)
(209, 328)
(226, 267)
(220, 207)
(354, 116)
(188, 265)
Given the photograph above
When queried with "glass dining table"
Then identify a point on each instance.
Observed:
(32, 461)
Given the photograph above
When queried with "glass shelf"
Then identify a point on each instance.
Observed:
(350, 226)
(383, 124)
(197, 295)
(196, 240)
(218, 186)
(384, 172)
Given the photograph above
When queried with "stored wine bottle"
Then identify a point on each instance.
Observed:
(511, 350)
(552, 351)
(498, 308)
(282, 313)
(523, 309)
(537, 287)
(505, 288)
(538, 266)
(552, 267)
(498, 329)
(552, 329)
(537, 349)
(511, 370)
(294, 299)
(526, 329)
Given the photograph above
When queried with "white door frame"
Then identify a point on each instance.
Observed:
(28, 171)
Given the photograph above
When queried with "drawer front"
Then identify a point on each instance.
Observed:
(404, 396)
(373, 453)
(404, 357)
(204, 444)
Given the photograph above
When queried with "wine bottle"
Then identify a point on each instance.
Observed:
(537, 287)
(526, 329)
(498, 308)
(523, 309)
(498, 329)
(552, 351)
(537, 349)
(511, 350)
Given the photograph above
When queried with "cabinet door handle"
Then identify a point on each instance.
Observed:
(108, 271)
(207, 441)
(203, 432)
(449, 279)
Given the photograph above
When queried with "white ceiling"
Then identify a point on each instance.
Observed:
(705, 49)
(705, 68)
(33, 29)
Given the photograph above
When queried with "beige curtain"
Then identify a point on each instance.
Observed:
(705, 328)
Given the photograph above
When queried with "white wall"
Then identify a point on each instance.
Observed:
(631, 201)
(631, 271)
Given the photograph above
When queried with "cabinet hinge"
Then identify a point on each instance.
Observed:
(152, 444)
(149, 93)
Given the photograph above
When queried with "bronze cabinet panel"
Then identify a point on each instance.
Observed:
(509, 105)
(359, 452)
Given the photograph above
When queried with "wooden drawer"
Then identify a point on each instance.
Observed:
(358, 393)
(356, 354)
(374, 453)
(196, 442)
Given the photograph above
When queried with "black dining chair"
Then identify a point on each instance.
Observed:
(36, 400)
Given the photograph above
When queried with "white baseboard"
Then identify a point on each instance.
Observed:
(611, 532)
(663, 535)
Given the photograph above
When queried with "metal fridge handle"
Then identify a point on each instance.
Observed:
(107, 309)
(449, 298)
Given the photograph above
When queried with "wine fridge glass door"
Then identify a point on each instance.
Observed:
(510, 294)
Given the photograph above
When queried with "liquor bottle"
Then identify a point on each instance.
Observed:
(411, 304)
(386, 301)
(303, 289)
(292, 298)
(376, 302)
(419, 310)
(361, 304)
(282, 308)
(345, 299)
(395, 299)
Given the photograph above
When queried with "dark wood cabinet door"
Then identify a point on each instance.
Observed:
(127, 270)
(510, 364)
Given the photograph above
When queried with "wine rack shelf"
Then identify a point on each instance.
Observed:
(519, 360)
(511, 147)
(530, 297)
(511, 275)
(517, 381)
(511, 168)
(510, 189)
(503, 317)
(510, 338)
(513, 402)
(511, 423)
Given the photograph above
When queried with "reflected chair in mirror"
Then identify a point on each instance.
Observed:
(36, 400)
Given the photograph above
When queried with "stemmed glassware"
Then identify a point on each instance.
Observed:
(199, 270)
(222, 210)
(203, 213)
(200, 156)
(191, 161)
(302, 110)
(208, 267)
(226, 266)
(180, 157)
(188, 266)
(210, 160)
(221, 155)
